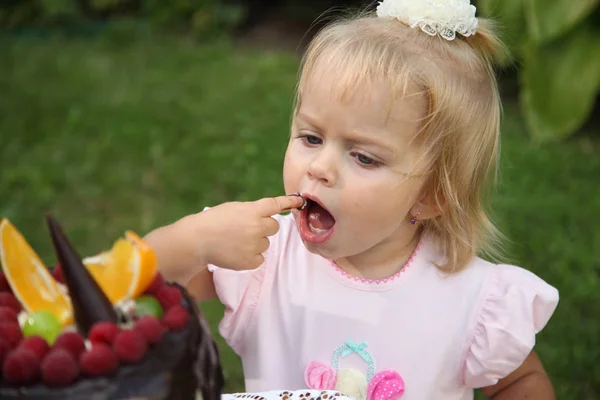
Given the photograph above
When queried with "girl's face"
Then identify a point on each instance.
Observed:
(354, 160)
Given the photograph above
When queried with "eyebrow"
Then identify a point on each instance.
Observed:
(307, 118)
(354, 136)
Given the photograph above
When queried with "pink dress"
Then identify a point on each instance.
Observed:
(299, 322)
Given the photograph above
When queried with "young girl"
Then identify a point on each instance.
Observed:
(375, 288)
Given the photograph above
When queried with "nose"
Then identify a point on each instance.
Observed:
(324, 168)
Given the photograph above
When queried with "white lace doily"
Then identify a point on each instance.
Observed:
(288, 395)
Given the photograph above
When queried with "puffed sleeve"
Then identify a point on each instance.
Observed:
(239, 291)
(515, 305)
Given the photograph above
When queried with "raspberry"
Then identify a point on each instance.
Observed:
(59, 368)
(4, 349)
(169, 296)
(103, 332)
(11, 332)
(4, 286)
(35, 344)
(157, 283)
(8, 314)
(57, 273)
(176, 318)
(130, 346)
(21, 367)
(72, 342)
(9, 300)
(150, 328)
(100, 360)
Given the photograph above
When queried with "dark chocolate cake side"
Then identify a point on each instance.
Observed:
(180, 358)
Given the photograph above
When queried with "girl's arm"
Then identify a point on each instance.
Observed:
(202, 286)
(178, 264)
(179, 251)
(231, 235)
(529, 381)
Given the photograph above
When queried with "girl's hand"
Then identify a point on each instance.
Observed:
(234, 235)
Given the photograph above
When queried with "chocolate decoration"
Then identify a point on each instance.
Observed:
(90, 304)
(305, 202)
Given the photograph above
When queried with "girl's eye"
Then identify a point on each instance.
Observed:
(312, 140)
(366, 160)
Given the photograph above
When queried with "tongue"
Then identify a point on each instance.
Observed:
(319, 218)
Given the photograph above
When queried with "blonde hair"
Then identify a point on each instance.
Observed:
(461, 129)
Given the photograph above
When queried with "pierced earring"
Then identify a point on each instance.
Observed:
(413, 220)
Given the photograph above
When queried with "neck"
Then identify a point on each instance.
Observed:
(382, 260)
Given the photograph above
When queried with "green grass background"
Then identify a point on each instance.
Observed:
(123, 132)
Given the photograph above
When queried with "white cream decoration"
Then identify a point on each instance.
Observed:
(352, 383)
(434, 17)
(22, 317)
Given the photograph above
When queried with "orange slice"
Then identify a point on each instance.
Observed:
(126, 270)
(31, 281)
(148, 265)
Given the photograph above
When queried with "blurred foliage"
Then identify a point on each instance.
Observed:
(556, 42)
(201, 15)
(557, 45)
(203, 18)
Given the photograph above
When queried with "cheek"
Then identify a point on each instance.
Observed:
(290, 171)
(381, 199)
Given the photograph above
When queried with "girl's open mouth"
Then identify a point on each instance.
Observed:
(316, 222)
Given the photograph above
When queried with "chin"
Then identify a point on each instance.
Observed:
(320, 251)
(326, 250)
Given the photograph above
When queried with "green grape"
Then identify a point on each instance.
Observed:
(44, 324)
(148, 305)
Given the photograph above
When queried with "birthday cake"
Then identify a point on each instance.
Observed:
(105, 327)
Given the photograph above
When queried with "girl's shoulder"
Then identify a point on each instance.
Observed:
(502, 306)
(513, 306)
(489, 280)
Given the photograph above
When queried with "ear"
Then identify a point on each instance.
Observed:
(427, 205)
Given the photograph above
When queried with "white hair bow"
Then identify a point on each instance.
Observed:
(435, 17)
